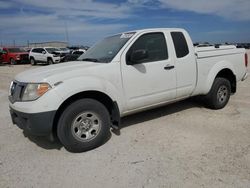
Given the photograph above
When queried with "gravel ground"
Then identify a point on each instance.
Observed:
(180, 145)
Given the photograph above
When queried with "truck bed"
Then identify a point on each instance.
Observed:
(212, 51)
(210, 59)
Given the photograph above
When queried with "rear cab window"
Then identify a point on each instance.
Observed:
(180, 44)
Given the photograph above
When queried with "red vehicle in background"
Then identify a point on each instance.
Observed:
(14, 55)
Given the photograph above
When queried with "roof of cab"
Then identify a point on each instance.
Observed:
(152, 30)
(159, 29)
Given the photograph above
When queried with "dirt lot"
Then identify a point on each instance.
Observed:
(180, 145)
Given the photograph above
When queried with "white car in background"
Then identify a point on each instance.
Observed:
(82, 51)
(46, 55)
(63, 50)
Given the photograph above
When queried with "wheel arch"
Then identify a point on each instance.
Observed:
(50, 58)
(229, 75)
(101, 97)
(222, 69)
(12, 58)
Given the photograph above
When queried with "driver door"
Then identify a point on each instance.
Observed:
(43, 55)
(152, 79)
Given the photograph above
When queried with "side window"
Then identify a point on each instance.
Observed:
(180, 44)
(35, 50)
(78, 52)
(154, 44)
(41, 50)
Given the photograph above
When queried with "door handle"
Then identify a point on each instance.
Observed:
(169, 67)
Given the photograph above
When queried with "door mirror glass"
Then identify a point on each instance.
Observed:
(138, 56)
(43, 52)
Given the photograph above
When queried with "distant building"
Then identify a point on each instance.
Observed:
(49, 44)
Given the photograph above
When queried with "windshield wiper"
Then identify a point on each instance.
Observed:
(89, 59)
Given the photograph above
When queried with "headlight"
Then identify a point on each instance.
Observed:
(34, 91)
(12, 87)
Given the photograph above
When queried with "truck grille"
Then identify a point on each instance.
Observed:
(63, 54)
(16, 91)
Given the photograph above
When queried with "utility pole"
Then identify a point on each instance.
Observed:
(1, 38)
(66, 32)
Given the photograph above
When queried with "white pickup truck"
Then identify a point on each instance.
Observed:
(123, 74)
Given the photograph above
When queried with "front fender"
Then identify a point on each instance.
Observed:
(73, 86)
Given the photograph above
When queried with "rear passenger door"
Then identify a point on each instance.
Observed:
(185, 62)
(152, 80)
(34, 53)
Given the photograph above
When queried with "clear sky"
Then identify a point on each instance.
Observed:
(87, 21)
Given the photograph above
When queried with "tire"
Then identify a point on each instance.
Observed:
(32, 61)
(50, 61)
(84, 125)
(219, 95)
(12, 61)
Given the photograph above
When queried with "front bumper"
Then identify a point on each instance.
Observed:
(22, 61)
(39, 124)
(57, 59)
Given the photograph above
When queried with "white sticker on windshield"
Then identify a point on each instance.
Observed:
(126, 35)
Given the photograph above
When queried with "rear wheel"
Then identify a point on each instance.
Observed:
(219, 94)
(84, 125)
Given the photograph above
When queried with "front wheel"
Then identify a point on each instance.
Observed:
(50, 61)
(219, 95)
(84, 125)
(12, 61)
(32, 61)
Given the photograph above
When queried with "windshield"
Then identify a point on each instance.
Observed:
(15, 50)
(106, 50)
(51, 50)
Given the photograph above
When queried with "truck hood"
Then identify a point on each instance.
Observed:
(58, 72)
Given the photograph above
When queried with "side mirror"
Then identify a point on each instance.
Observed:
(137, 56)
(43, 52)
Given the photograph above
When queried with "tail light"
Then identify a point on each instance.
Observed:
(246, 59)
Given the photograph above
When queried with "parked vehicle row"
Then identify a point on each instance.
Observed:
(243, 45)
(42, 55)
